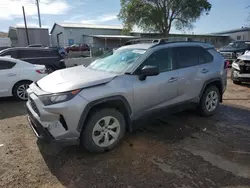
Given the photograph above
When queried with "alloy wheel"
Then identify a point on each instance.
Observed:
(21, 91)
(211, 101)
(106, 131)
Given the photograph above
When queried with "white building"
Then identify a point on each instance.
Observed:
(66, 34)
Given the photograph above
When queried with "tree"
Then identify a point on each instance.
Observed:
(161, 15)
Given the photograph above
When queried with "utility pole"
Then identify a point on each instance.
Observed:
(38, 10)
(26, 29)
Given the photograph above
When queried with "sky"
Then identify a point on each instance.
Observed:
(224, 15)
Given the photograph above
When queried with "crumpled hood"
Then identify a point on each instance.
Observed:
(245, 57)
(73, 78)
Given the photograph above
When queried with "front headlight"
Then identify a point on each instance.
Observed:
(236, 66)
(58, 98)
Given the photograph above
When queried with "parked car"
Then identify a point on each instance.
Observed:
(41, 56)
(17, 75)
(234, 49)
(95, 105)
(77, 48)
(241, 69)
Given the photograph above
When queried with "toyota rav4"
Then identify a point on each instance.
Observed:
(95, 105)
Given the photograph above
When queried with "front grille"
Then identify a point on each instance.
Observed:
(227, 55)
(33, 106)
(244, 67)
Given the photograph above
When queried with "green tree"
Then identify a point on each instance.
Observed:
(161, 15)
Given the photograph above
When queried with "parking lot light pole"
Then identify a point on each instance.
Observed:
(26, 29)
(38, 11)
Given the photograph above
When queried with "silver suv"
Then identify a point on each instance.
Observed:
(95, 105)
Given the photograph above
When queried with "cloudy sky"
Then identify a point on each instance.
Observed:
(225, 14)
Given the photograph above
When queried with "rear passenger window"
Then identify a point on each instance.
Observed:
(6, 65)
(162, 58)
(205, 56)
(28, 53)
(186, 56)
(48, 53)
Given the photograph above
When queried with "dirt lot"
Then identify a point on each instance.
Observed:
(182, 150)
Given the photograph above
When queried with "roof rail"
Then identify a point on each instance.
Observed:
(157, 41)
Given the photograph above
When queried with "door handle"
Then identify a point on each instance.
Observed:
(173, 79)
(204, 71)
(11, 74)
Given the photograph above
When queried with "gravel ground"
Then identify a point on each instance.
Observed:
(182, 150)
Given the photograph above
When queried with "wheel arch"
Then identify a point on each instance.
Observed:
(118, 102)
(217, 82)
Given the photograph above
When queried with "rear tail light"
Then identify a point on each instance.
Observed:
(226, 64)
(41, 71)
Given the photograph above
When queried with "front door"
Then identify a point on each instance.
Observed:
(156, 91)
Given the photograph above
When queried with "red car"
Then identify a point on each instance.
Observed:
(77, 48)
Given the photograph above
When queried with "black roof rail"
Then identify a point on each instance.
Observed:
(138, 41)
(157, 41)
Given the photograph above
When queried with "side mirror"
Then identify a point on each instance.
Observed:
(148, 70)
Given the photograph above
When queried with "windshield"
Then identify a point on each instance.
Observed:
(118, 61)
(239, 44)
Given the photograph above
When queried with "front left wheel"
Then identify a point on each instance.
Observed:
(19, 90)
(104, 130)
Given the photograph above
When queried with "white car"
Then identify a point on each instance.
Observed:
(241, 69)
(17, 75)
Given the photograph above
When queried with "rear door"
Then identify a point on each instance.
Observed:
(50, 57)
(189, 82)
(156, 91)
(8, 76)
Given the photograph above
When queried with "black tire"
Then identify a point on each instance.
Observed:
(202, 106)
(86, 136)
(236, 82)
(17, 86)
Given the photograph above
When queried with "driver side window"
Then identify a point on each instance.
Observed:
(162, 58)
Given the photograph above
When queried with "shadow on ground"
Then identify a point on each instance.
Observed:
(10, 107)
(129, 164)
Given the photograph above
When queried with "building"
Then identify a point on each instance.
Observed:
(18, 36)
(237, 34)
(66, 34)
(216, 40)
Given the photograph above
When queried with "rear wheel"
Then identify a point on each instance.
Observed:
(209, 101)
(19, 90)
(104, 130)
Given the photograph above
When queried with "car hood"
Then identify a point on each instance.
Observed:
(230, 49)
(74, 78)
